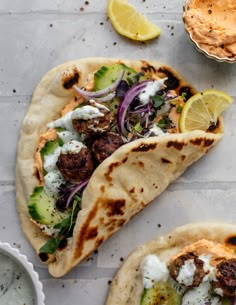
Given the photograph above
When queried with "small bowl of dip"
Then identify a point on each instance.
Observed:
(211, 25)
(19, 282)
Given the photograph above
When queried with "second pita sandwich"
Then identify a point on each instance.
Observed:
(193, 264)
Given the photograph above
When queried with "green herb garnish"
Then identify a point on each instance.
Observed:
(50, 246)
(66, 227)
(165, 123)
(158, 101)
(184, 96)
(179, 109)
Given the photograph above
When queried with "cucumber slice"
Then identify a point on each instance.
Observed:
(161, 294)
(49, 148)
(107, 75)
(42, 208)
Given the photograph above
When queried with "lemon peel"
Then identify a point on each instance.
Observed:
(128, 22)
(202, 110)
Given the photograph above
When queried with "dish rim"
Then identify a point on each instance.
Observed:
(207, 54)
(22, 260)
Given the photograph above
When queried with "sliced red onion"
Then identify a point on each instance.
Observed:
(107, 98)
(93, 94)
(170, 94)
(75, 190)
(125, 103)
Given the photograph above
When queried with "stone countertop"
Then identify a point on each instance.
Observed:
(38, 35)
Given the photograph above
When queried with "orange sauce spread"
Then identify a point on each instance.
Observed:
(217, 251)
(50, 135)
(38, 164)
(212, 24)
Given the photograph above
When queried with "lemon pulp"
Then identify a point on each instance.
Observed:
(202, 110)
(130, 23)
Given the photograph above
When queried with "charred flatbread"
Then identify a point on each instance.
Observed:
(73, 192)
(193, 264)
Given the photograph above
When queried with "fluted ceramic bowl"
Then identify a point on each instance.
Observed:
(19, 282)
(198, 47)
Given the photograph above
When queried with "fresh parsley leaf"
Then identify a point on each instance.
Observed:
(66, 229)
(138, 127)
(184, 96)
(64, 224)
(179, 109)
(136, 77)
(164, 123)
(130, 81)
(60, 129)
(50, 246)
(158, 101)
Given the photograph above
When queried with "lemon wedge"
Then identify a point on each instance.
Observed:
(130, 23)
(202, 110)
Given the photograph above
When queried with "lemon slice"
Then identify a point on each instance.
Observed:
(130, 23)
(202, 110)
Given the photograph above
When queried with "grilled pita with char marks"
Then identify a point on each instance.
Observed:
(116, 191)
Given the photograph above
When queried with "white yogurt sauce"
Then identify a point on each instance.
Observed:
(155, 130)
(153, 270)
(200, 295)
(86, 113)
(50, 161)
(67, 136)
(48, 230)
(72, 147)
(52, 181)
(83, 113)
(151, 89)
(219, 291)
(15, 285)
(97, 128)
(98, 105)
(210, 270)
(64, 122)
(186, 273)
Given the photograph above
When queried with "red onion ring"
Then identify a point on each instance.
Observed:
(75, 190)
(107, 97)
(125, 103)
(93, 94)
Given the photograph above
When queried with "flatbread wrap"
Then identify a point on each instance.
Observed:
(99, 142)
(193, 264)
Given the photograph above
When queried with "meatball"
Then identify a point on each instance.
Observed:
(105, 145)
(76, 167)
(99, 124)
(199, 273)
(226, 276)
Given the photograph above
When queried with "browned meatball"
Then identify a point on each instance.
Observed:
(226, 276)
(179, 262)
(75, 167)
(105, 145)
(94, 126)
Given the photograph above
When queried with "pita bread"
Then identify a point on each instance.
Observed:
(127, 286)
(116, 191)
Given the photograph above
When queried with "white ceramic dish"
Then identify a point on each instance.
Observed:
(207, 54)
(19, 282)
